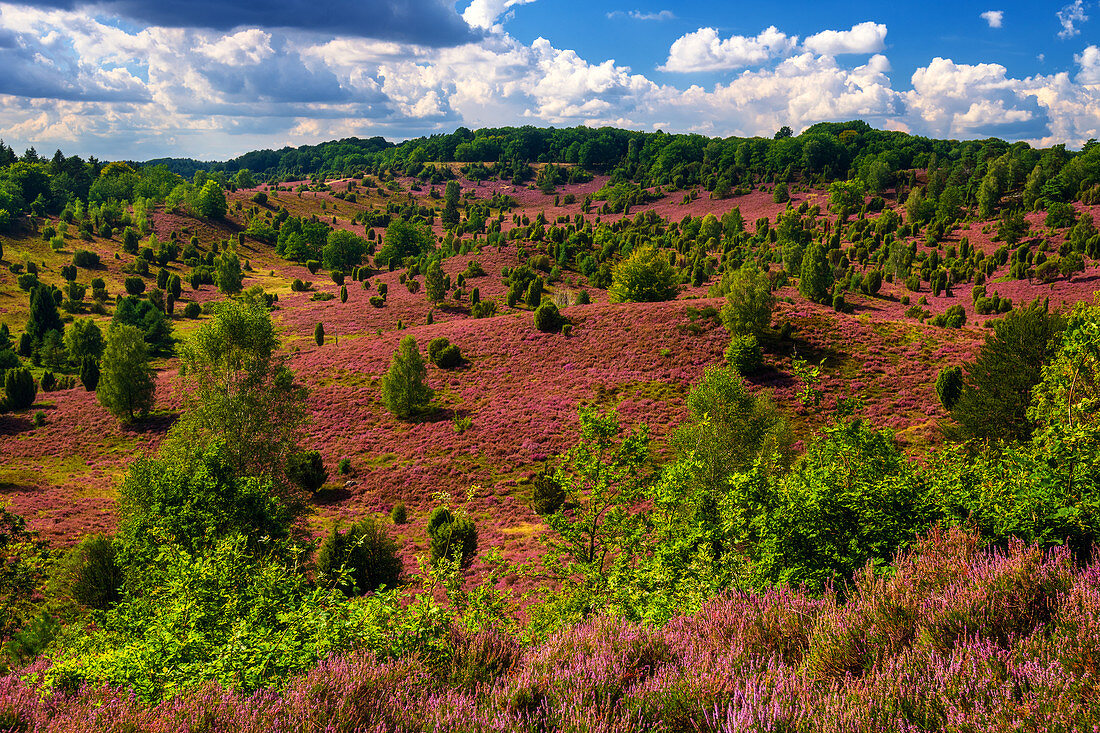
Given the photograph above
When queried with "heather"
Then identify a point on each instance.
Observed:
(710, 439)
(957, 638)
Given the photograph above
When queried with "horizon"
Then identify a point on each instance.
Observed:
(138, 81)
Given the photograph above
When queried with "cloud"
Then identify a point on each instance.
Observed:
(484, 13)
(867, 37)
(995, 18)
(703, 50)
(642, 15)
(1089, 61)
(425, 22)
(1069, 16)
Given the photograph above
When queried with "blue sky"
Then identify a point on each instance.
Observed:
(206, 79)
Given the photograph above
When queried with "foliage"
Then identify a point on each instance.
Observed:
(816, 276)
(403, 239)
(644, 276)
(597, 532)
(744, 354)
(343, 250)
(236, 389)
(319, 334)
(306, 470)
(93, 576)
(749, 302)
(361, 560)
(21, 570)
(404, 391)
(444, 354)
(126, 385)
(209, 202)
(229, 275)
(949, 386)
(155, 327)
(193, 498)
(20, 389)
(452, 536)
(83, 339)
(548, 318)
(997, 388)
(43, 316)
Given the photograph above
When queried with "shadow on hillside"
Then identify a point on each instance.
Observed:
(8, 487)
(15, 424)
(331, 495)
(152, 425)
(444, 414)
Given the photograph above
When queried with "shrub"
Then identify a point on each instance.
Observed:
(360, 560)
(338, 277)
(451, 536)
(744, 354)
(583, 298)
(39, 419)
(399, 515)
(404, 391)
(839, 304)
(306, 470)
(84, 258)
(484, 309)
(134, 285)
(47, 381)
(89, 373)
(344, 466)
(644, 276)
(298, 286)
(547, 318)
(548, 495)
(93, 574)
(435, 346)
(377, 301)
(192, 310)
(19, 388)
(319, 334)
(343, 293)
(949, 386)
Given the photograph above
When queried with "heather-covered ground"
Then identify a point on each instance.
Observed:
(956, 639)
(520, 389)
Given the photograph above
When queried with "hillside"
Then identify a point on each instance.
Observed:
(872, 292)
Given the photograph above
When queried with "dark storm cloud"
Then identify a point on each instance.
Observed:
(424, 22)
(33, 71)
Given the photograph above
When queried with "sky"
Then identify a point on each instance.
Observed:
(124, 79)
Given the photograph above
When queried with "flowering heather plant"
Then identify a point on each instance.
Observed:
(1021, 657)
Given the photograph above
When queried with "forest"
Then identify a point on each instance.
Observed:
(533, 429)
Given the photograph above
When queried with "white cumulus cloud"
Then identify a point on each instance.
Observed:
(995, 18)
(1070, 16)
(484, 13)
(866, 37)
(704, 50)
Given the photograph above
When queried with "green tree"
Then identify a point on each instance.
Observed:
(84, 339)
(435, 282)
(604, 476)
(404, 390)
(126, 384)
(403, 239)
(43, 315)
(343, 250)
(319, 334)
(19, 388)
(996, 391)
(230, 276)
(452, 536)
(728, 429)
(645, 276)
(210, 201)
(816, 277)
(450, 215)
(360, 560)
(749, 302)
(236, 389)
(89, 373)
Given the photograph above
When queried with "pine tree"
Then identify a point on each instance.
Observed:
(434, 283)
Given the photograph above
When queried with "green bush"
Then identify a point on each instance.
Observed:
(84, 258)
(344, 466)
(306, 470)
(360, 560)
(644, 276)
(89, 373)
(744, 354)
(451, 536)
(19, 388)
(399, 515)
(547, 318)
(134, 285)
(192, 310)
(94, 576)
(548, 495)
